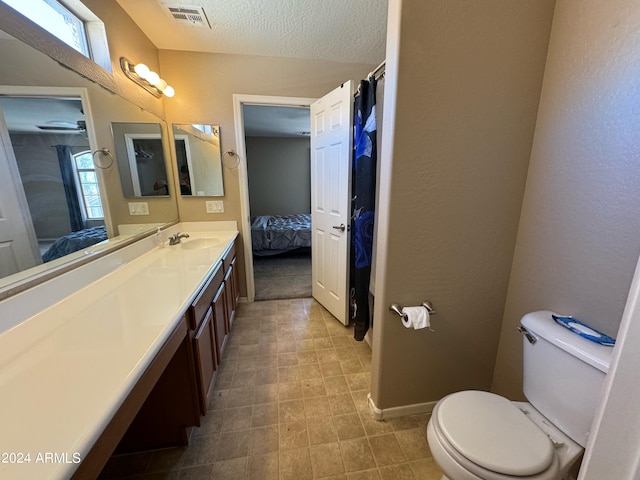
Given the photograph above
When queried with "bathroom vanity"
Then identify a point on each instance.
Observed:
(125, 361)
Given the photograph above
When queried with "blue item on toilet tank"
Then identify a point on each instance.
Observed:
(584, 330)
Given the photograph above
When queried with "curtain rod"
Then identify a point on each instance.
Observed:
(377, 73)
(379, 70)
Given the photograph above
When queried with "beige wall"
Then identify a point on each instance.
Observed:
(205, 84)
(462, 89)
(127, 40)
(578, 239)
(279, 171)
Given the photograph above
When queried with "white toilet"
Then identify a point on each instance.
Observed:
(476, 435)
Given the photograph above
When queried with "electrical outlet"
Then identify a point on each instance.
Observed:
(214, 206)
(138, 208)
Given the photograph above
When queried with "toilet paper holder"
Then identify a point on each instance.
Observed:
(398, 309)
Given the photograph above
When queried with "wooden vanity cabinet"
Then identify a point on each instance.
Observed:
(220, 296)
(173, 393)
(181, 394)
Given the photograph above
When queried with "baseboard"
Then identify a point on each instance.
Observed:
(243, 300)
(369, 338)
(401, 411)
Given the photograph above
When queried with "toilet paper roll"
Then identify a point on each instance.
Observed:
(416, 317)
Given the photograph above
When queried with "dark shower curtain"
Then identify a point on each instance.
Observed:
(363, 188)
(71, 192)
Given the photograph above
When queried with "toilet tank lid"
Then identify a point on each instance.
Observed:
(542, 324)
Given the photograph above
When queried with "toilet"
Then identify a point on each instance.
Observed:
(476, 435)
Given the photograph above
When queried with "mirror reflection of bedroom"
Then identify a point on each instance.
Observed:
(279, 174)
(55, 174)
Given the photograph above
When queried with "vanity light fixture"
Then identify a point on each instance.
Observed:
(147, 79)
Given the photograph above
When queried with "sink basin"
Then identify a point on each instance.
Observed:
(199, 243)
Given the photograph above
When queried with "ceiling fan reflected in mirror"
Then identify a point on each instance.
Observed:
(55, 125)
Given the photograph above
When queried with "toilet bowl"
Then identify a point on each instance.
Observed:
(477, 435)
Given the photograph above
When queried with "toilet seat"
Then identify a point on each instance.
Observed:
(491, 438)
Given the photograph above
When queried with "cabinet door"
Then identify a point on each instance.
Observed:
(219, 321)
(232, 292)
(235, 282)
(228, 292)
(205, 357)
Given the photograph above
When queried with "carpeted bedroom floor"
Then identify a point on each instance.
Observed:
(283, 276)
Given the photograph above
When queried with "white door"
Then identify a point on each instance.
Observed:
(18, 244)
(331, 141)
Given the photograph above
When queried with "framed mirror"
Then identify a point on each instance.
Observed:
(141, 159)
(199, 161)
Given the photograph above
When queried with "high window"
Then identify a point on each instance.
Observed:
(56, 19)
(71, 22)
(88, 190)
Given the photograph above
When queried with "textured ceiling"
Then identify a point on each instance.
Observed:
(338, 30)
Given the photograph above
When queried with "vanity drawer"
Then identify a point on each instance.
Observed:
(201, 304)
(228, 258)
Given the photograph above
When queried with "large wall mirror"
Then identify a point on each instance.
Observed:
(199, 159)
(56, 118)
(141, 158)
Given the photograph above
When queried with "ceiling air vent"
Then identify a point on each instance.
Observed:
(193, 16)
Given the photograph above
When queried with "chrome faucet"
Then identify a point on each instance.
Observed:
(175, 239)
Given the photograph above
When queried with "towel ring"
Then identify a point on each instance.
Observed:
(398, 309)
(103, 151)
(230, 159)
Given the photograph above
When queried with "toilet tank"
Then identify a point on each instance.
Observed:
(563, 374)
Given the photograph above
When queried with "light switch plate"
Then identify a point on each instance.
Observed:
(138, 208)
(214, 206)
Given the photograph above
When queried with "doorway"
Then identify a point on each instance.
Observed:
(279, 180)
(330, 145)
(279, 174)
(253, 105)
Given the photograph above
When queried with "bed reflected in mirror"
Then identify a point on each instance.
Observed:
(198, 160)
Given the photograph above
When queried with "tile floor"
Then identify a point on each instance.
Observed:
(290, 403)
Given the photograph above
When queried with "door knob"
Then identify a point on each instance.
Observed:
(340, 227)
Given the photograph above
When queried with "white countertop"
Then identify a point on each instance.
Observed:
(65, 371)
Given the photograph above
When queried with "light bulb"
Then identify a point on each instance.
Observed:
(169, 91)
(161, 85)
(153, 78)
(141, 70)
